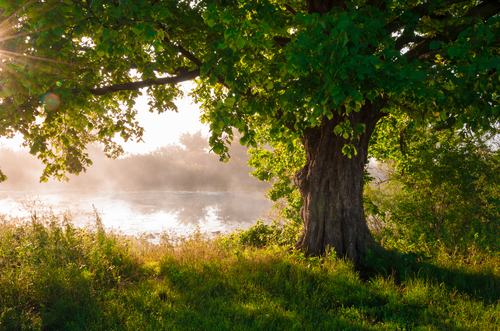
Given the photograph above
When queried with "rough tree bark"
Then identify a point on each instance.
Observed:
(331, 186)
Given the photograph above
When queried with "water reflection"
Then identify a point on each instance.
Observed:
(146, 212)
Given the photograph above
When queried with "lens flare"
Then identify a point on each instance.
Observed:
(51, 101)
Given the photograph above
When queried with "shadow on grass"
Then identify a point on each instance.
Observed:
(478, 281)
(66, 279)
(279, 295)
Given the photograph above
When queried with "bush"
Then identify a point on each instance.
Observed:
(261, 235)
(447, 189)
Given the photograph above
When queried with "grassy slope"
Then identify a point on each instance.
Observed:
(57, 277)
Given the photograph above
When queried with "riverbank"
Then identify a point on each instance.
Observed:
(56, 276)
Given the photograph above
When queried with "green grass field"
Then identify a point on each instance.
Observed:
(55, 276)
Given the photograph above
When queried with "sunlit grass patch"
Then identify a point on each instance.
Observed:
(58, 276)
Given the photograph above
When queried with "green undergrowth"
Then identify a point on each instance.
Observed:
(55, 276)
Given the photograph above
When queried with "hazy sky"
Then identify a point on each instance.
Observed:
(160, 129)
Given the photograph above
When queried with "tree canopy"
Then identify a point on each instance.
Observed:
(320, 72)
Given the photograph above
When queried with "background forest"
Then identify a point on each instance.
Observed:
(186, 165)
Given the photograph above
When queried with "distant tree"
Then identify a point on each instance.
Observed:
(321, 71)
(194, 142)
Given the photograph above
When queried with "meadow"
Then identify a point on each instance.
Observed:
(55, 276)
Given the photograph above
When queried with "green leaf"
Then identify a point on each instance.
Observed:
(211, 22)
(334, 90)
(472, 67)
(403, 74)
(137, 30)
(435, 44)
(343, 23)
(58, 31)
(338, 129)
(443, 115)
(453, 51)
(151, 33)
(374, 60)
(359, 127)
(346, 150)
(240, 43)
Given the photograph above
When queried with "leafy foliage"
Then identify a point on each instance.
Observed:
(70, 71)
(261, 235)
(278, 163)
(445, 189)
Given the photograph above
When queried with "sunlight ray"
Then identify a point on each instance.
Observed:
(27, 33)
(7, 68)
(49, 69)
(4, 36)
(39, 58)
(6, 21)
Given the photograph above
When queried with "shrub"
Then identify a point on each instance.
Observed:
(447, 189)
(261, 235)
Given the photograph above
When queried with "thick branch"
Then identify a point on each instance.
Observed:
(189, 56)
(483, 11)
(323, 6)
(421, 10)
(282, 41)
(403, 40)
(137, 85)
(380, 4)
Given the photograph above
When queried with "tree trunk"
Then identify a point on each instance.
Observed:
(331, 186)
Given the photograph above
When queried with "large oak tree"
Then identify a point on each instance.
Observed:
(321, 71)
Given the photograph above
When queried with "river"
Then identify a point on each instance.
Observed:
(143, 212)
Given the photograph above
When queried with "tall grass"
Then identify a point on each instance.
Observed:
(55, 276)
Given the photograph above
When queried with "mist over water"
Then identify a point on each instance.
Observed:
(176, 188)
(148, 212)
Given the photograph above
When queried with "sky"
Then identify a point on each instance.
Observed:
(160, 129)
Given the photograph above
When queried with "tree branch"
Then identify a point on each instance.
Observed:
(290, 9)
(403, 40)
(483, 11)
(282, 41)
(188, 55)
(380, 4)
(448, 125)
(182, 77)
(421, 10)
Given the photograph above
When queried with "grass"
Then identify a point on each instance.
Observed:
(55, 276)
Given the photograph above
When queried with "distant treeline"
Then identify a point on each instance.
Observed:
(188, 165)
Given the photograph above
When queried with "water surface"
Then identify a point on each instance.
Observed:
(144, 212)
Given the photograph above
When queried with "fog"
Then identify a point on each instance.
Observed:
(178, 188)
(187, 165)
